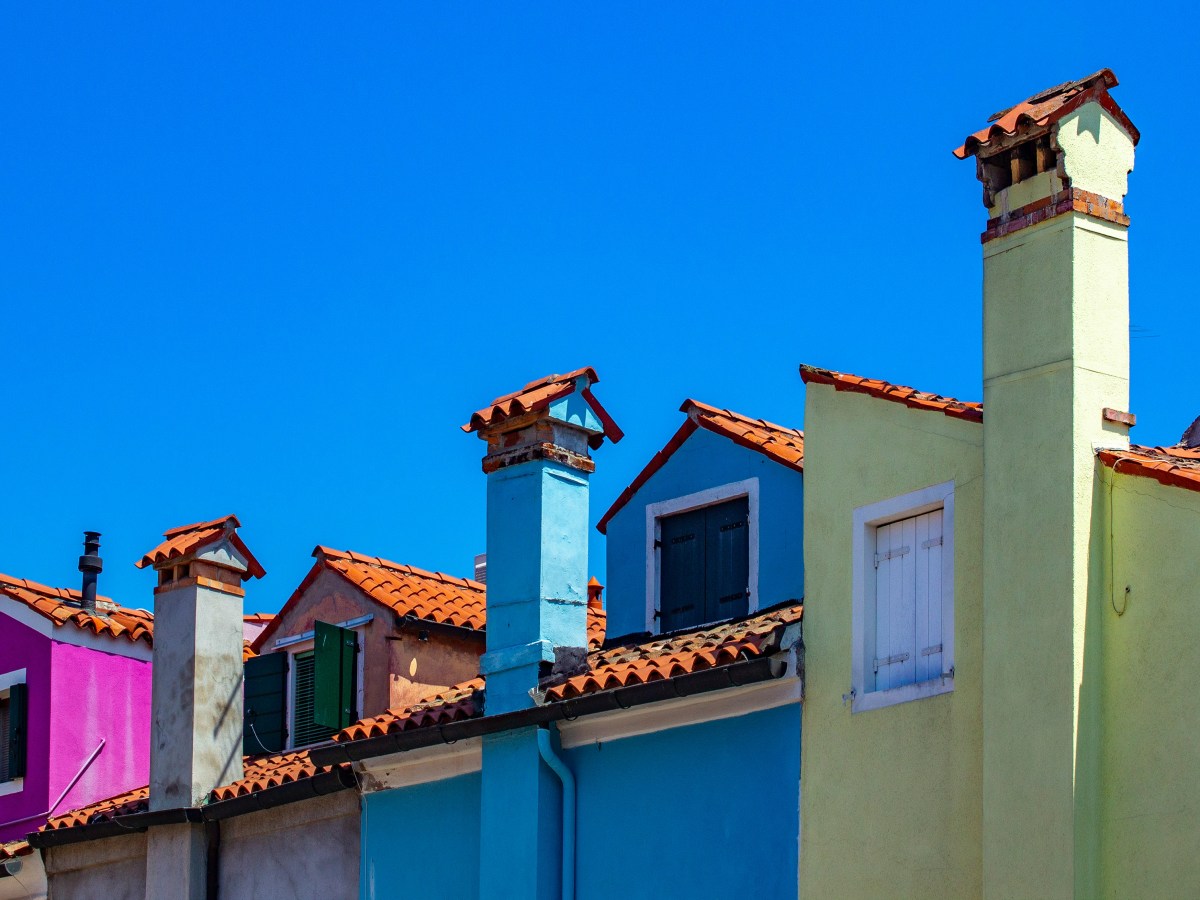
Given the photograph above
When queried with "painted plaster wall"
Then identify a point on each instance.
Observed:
(704, 810)
(435, 824)
(98, 696)
(303, 850)
(707, 461)
(109, 869)
(419, 668)
(1150, 754)
(891, 797)
(23, 648)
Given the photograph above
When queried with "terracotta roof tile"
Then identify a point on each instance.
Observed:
(263, 772)
(1175, 466)
(135, 801)
(958, 409)
(62, 607)
(187, 539)
(780, 443)
(13, 849)
(1045, 108)
(537, 396)
(451, 705)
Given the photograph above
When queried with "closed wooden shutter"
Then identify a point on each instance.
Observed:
(3, 739)
(264, 728)
(18, 718)
(304, 730)
(681, 585)
(336, 685)
(727, 560)
(908, 601)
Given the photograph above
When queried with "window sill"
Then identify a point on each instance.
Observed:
(903, 694)
(12, 787)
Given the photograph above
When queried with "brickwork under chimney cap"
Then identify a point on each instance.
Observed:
(185, 541)
(519, 408)
(1035, 115)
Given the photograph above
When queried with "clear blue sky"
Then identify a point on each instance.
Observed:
(267, 258)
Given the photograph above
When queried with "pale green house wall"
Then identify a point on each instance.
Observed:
(891, 798)
(1150, 745)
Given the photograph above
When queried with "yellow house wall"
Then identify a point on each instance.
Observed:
(891, 798)
(1150, 746)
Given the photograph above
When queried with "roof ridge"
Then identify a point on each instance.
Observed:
(201, 526)
(742, 417)
(402, 568)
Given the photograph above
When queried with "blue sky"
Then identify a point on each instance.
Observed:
(267, 259)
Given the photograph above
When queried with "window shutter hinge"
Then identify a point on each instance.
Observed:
(890, 660)
(932, 542)
(657, 544)
(891, 554)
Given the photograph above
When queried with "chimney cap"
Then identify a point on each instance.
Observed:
(187, 541)
(515, 410)
(1038, 113)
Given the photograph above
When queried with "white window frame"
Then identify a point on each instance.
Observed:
(866, 520)
(655, 512)
(7, 680)
(302, 644)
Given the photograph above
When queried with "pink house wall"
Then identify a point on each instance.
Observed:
(98, 696)
(23, 648)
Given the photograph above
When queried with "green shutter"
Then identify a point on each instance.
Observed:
(264, 722)
(681, 584)
(18, 719)
(335, 650)
(727, 560)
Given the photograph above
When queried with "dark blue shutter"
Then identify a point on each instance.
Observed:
(681, 581)
(264, 722)
(18, 720)
(335, 693)
(727, 560)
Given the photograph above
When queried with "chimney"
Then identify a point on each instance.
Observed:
(1056, 355)
(196, 737)
(538, 463)
(90, 564)
(481, 568)
(595, 594)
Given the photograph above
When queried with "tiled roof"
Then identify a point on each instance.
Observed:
(265, 772)
(537, 396)
(1175, 466)
(777, 442)
(187, 539)
(597, 622)
(682, 653)
(134, 801)
(61, 606)
(458, 702)
(13, 849)
(1046, 107)
(898, 393)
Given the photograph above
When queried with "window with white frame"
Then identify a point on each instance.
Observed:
(904, 598)
(702, 557)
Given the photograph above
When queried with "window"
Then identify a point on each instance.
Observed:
(14, 706)
(702, 557)
(903, 599)
(301, 697)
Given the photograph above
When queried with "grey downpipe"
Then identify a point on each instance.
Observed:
(559, 767)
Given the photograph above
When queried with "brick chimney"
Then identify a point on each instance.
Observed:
(538, 463)
(196, 737)
(1056, 380)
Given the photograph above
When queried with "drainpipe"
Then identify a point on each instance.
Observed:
(559, 767)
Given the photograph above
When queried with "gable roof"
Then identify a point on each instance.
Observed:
(63, 606)
(537, 396)
(897, 393)
(187, 539)
(777, 442)
(1044, 109)
(1175, 466)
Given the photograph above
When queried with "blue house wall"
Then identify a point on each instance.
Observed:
(700, 810)
(705, 461)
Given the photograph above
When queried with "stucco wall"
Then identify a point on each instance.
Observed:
(1150, 752)
(23, 648)
(708, 810)
(303, 850)
(707, 461)
(891, 797)
(98, 696)
(422, 841)
(109, 869)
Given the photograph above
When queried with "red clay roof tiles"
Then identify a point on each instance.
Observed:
(1046, 107)
(898, 393)
(187, 539)
(1175, 466)
(13, 849)
(451, 705)
(135, 801)
(537, 396)
(778, 442)
(62, 607)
